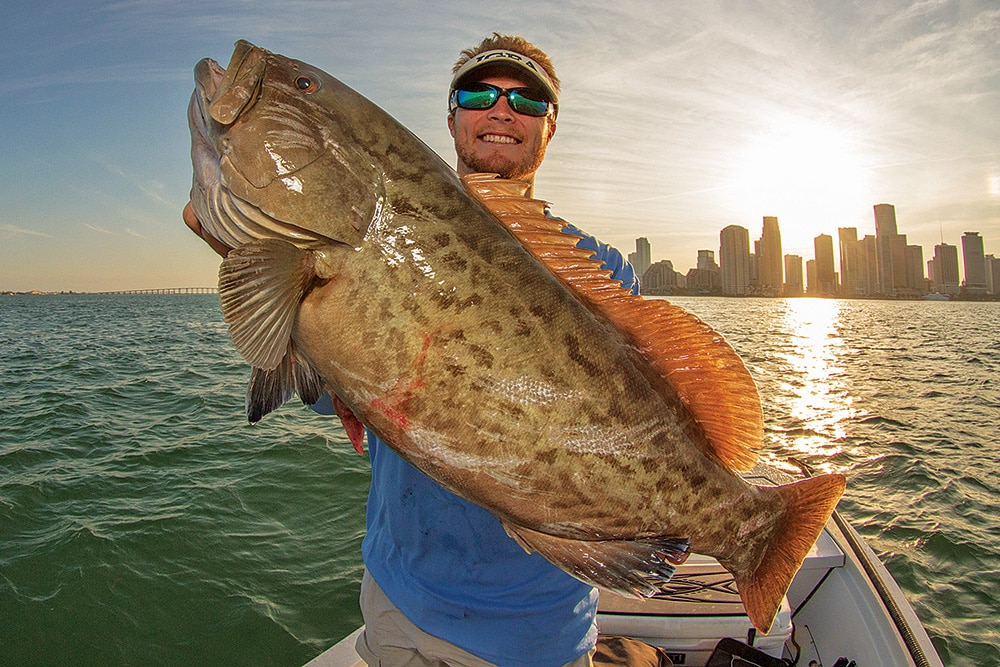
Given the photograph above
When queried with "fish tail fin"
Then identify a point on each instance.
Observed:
(808, 505)
(633, 568)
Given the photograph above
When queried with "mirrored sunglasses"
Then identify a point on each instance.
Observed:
(478, 96)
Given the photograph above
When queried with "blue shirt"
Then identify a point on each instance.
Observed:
(450, 567)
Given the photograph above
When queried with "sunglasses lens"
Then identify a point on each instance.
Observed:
(477, 98)
(523, 101)
(527, 101)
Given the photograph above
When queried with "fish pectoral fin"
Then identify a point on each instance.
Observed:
(260, 286)
(633, 568)
(268, 390)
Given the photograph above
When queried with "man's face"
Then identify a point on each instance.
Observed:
(500, 140)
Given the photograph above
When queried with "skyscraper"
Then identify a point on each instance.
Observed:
(946, 268)
(868, 253)
(975, 263)
(660, 278)
(642, 257)
(900, 281)
(826, 276)
(769, 258)
(992, 275)
(734, 260)
(885, 234)
(850, 262)
(793, 275)
(916, 285)
(706, 260)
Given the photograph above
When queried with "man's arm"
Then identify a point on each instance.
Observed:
(191, 220)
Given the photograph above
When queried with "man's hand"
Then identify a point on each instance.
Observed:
(191, 220)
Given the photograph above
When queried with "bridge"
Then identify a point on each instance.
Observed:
(168, 290)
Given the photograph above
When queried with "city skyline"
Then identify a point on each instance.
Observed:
(881, 264)
(675, 118)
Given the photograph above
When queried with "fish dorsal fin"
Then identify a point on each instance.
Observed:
(706, 373)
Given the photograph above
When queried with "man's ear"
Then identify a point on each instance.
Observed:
(552, 129)
(451, 124)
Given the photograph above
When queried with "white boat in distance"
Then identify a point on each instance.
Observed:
(843, 609)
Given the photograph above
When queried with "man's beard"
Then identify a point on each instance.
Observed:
(506, 168)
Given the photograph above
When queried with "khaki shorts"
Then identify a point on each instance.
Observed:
(391, 640)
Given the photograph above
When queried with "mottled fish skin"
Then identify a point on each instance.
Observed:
(361, 255)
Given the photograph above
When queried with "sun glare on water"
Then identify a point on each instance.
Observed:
(819, 405)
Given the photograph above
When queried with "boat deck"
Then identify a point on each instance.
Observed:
(842, 603)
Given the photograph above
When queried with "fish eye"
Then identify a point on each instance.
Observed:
(305, 84)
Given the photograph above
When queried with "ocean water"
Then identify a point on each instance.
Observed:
(143, 521)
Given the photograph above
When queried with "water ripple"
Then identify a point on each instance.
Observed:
(144, 522)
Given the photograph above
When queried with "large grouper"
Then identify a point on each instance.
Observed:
(462, 326)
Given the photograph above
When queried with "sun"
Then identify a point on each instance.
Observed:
(809, 174)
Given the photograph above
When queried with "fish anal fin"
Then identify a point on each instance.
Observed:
(634, 568)
(808, 505)
(698, 367)
(260, 286)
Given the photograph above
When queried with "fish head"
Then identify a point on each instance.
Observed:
(276, 152)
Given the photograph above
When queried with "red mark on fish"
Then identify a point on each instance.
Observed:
(394, 404)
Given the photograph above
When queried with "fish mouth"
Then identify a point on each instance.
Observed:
(208, 75)
(204, 156)
(223, 95)
(228, 92)
(220, 95)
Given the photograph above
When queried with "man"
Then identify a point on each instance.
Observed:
(444, 583)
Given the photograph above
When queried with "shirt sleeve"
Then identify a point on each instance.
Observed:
(609, 256)
(324, 405)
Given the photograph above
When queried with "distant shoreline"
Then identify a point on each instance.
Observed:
(214, 290)
(162, 290)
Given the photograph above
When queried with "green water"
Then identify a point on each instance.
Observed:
(142, 521)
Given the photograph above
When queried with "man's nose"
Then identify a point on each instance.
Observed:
(501, 110)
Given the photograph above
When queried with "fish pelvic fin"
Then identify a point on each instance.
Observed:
(352, 425)
(698, 366)
(633, 568)
(808, 505)
(268, 390)
(261, 285)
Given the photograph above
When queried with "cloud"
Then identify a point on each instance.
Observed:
(99, 229)
(12, 230)
(153, 189)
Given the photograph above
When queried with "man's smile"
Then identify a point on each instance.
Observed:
(499, 139)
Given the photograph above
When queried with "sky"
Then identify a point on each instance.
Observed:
(676, 118)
